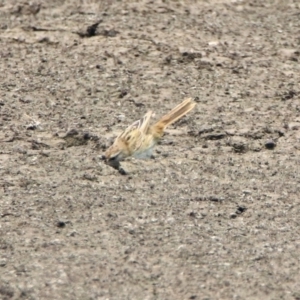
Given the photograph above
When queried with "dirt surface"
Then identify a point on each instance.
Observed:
(215, 215)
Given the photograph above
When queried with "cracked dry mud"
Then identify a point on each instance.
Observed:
(215, 215)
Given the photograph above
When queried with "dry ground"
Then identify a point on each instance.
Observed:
(215, 215)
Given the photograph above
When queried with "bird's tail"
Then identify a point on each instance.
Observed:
(175, 114)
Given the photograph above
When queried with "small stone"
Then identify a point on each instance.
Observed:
(246, 192)
(90, 30)
(3, 262)
(86, 136)
(240, 209)
(270, 144)
(214, 43)
(31, 127)
(215, 199)
(287, 95)
(216, 135)
(232, 216)
(192, 214)
(61, 224)
(72, 132)
(189, 53)
(72, 233)
(239, 145)
(230, 132)
(294, 126)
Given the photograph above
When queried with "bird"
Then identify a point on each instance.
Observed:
(139, 139)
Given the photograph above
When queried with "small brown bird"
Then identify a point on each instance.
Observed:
(139, 138)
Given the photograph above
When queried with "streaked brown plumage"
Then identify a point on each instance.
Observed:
(139, 138)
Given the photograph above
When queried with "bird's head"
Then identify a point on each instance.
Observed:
(115, 153)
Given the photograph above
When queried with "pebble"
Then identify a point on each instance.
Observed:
(61, 224)
(270, 144)
(232, 216)
(294, 126)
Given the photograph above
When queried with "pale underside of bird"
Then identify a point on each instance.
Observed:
(139, 139)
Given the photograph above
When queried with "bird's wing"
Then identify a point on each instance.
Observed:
(141, 125)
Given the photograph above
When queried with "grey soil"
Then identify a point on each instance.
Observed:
(215, 215)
